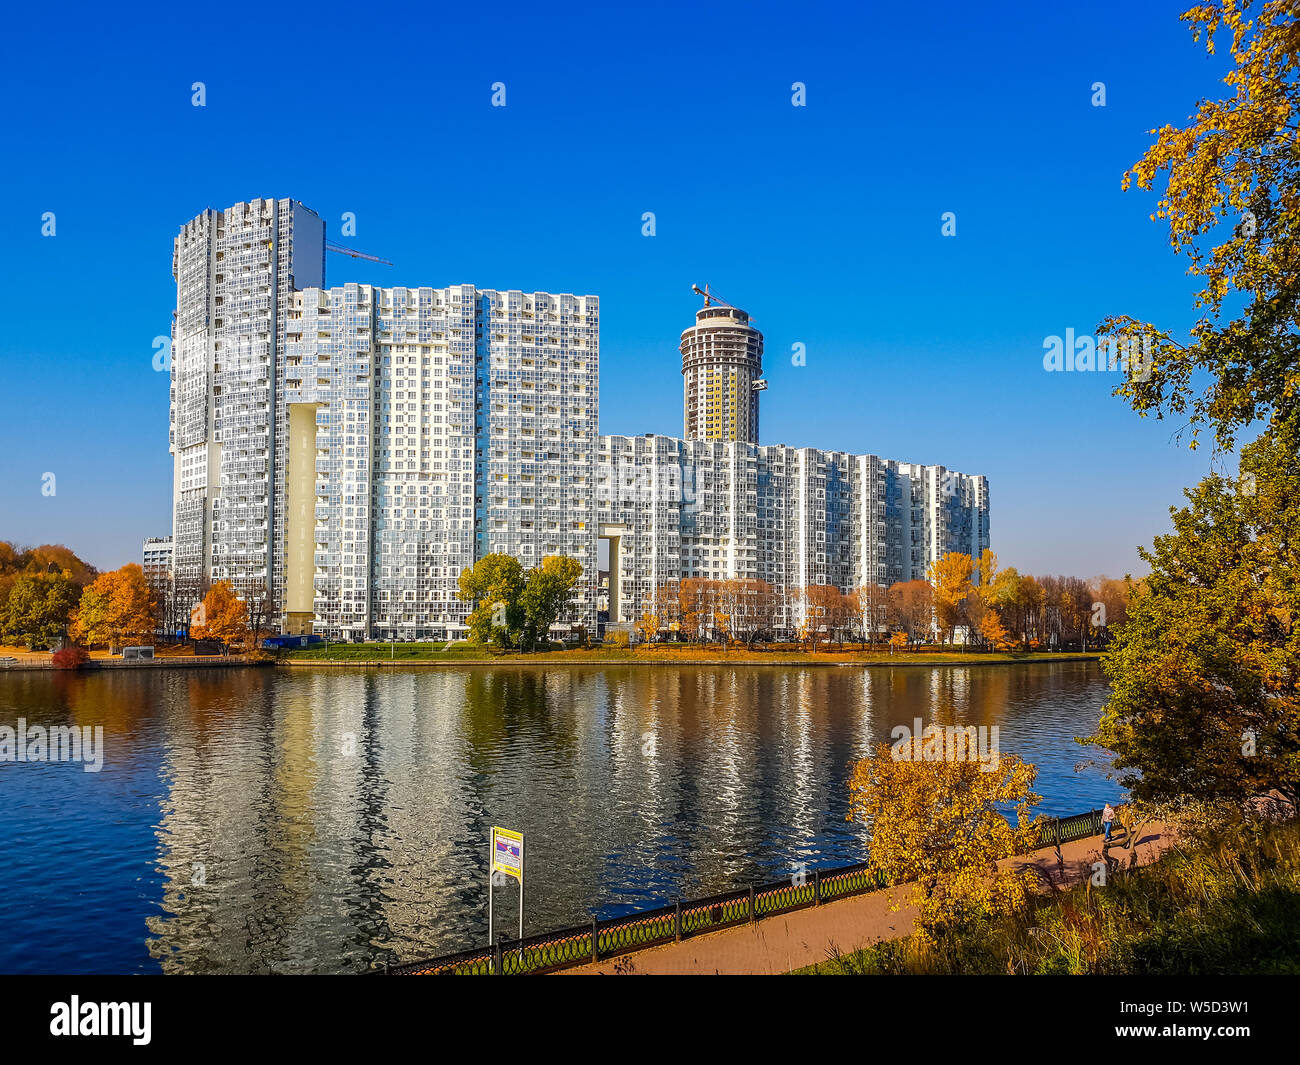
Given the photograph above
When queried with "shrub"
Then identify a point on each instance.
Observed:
(1226, 904)
(617, 639)
(70, 657)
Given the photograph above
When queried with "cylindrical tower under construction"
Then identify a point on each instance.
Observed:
(722, 371)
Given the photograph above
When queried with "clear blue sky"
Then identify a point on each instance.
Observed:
(822, 221)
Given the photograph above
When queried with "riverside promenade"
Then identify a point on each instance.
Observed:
(403, 658)
(29, 661)
(805, 937)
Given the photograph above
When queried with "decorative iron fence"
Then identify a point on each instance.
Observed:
(606, 939)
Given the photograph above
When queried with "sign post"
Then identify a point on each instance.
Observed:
(506, 858)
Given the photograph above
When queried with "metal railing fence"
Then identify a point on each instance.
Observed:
(604, 939)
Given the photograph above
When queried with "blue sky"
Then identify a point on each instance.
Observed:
(823, 221)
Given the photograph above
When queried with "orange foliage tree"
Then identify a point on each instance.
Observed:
(116, 609)
(992, 629)
(867, 608)
(221, 616)
(911, 608)
(825, 612)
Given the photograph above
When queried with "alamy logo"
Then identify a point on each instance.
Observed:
(625, 485)
(955, 743)
(1130, 356)
(103, 1018)
(59, 743)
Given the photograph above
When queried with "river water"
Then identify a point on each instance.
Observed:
(272, 820)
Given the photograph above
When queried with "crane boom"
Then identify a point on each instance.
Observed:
(710, 297)
(331, 246)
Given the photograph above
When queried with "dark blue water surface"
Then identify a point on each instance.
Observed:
(255, 820)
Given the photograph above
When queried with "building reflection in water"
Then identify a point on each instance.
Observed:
(331, 820)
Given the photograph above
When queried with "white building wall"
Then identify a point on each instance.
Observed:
(450, 423)
(539, 392)
(793, 517)
(236, 271)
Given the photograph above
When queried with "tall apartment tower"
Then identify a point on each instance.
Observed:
(428, 428)
(236, 271)
(722, 371)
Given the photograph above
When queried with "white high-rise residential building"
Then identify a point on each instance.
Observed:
(794, 518)
(427, 428)
(236, 272)
(347, 452)
(343, 454)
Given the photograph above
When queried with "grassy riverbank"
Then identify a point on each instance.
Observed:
(465, 653)
(1227, 906)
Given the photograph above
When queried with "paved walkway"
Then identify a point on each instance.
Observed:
(43, 660)
(804, 937)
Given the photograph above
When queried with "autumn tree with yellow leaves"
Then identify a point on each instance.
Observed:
(992, 629)
(950, 577)
(648, 626)
(937, 826)
(1231, 202)
(1204, 693)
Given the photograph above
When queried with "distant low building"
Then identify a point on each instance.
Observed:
(157, 561)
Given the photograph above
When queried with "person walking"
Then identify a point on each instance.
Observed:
(1107, 819)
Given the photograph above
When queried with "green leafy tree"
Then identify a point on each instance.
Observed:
(547, 591)
(495, 586)
(1204, 673)
(39, 607)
